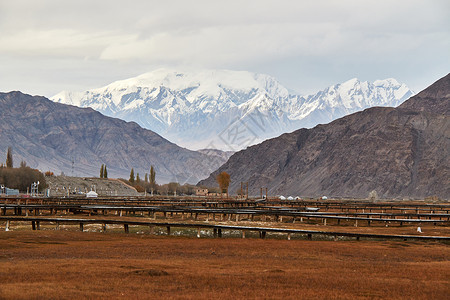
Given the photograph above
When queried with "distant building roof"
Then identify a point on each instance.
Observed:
(92, 194)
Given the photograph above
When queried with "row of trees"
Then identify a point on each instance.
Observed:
(148, 178)
(173, 188)
(148, 184)
(23, 177)
(20, 178)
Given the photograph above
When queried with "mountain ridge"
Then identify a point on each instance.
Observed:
(50, 136)
(196, 109)
(398, 152)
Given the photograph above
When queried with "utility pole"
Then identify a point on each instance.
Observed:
(247, 190)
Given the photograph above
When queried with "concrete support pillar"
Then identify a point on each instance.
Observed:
(81, 226)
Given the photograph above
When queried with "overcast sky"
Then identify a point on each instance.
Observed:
(48, 46)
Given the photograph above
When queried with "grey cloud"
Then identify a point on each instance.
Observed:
(306, 44)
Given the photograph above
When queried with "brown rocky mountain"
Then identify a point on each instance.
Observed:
(399, 152)
(49, 136)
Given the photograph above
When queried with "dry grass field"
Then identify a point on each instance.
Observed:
(51, 264)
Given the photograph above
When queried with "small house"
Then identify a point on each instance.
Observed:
(201, 192)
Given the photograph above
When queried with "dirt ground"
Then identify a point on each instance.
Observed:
(51, 264)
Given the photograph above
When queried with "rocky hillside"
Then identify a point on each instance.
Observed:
(64, 185)
(398, 152)
(76, 141)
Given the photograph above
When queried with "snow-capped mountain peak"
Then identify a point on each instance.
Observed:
(209, 108)
(388, 82)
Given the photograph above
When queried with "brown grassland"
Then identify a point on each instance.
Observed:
(67, 264)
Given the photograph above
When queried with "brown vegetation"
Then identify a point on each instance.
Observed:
(49, 173)
(22, 178)
(61, 264)
(223, 179)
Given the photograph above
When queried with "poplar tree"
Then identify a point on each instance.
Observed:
(9, 158)
(105, 172)
(152, 176)
(131, 176)
(102, 171)
(138, 179)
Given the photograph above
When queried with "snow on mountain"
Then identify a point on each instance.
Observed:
(228, 110)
